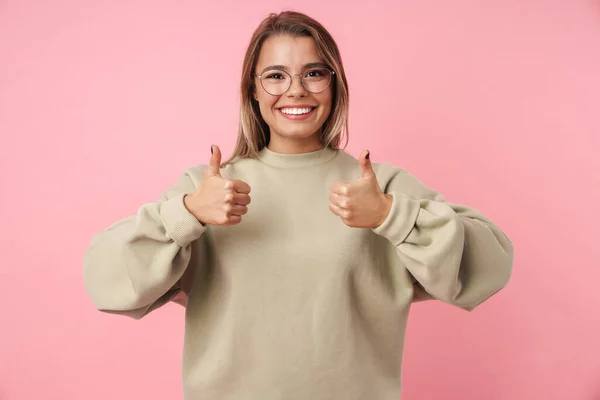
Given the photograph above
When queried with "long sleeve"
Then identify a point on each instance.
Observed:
(135, 265)
(456, 254)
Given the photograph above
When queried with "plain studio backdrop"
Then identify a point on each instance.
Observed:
(494, 103)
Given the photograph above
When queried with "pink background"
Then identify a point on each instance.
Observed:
(494, 103)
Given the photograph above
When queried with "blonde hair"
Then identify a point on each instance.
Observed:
(253, 132)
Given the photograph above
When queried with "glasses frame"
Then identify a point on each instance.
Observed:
(292, 80)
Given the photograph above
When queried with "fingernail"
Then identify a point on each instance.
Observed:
(368, 154)
(211, 149)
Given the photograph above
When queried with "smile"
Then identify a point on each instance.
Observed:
(296, 113)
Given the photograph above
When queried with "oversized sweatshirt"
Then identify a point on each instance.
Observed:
(292, 304)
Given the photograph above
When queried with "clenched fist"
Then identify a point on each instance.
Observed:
(218, 201)
(360, 204)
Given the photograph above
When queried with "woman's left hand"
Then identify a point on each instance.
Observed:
(360, 204)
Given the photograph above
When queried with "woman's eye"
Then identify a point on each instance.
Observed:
(314, 73)
(275, 76)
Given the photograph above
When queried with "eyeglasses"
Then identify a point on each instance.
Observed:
(277, 82)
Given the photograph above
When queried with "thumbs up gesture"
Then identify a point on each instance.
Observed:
(360, 204)
(218, 201)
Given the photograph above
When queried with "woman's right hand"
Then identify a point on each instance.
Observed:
(218, 201)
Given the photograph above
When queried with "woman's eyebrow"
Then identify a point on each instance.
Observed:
(315, 65)
(284, 68)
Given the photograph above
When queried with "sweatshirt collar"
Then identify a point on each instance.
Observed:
(281, 160)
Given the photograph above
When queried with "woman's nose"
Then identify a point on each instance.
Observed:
(296, 88)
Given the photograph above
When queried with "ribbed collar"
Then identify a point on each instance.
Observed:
(280, 160)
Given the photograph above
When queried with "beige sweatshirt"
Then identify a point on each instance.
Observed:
(292, 303)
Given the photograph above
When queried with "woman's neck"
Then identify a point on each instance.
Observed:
(284, 145)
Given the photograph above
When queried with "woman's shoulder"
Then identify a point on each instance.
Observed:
(395, 178)
(392, 177)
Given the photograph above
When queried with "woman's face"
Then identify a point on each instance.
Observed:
(297, 114)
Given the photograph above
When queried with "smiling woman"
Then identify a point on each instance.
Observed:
(292, 71)
(303, 290)
(294, 109)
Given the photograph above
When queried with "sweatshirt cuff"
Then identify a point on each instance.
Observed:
(179, 223)
(401, 219)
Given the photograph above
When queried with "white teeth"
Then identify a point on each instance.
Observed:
(296, 111)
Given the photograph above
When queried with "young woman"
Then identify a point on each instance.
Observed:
(296, 262)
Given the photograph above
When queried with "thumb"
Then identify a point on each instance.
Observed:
(214, 165)
(365, 165)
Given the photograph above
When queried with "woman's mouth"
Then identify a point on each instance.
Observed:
(296, 113)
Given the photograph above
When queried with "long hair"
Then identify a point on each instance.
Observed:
(253, 131)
